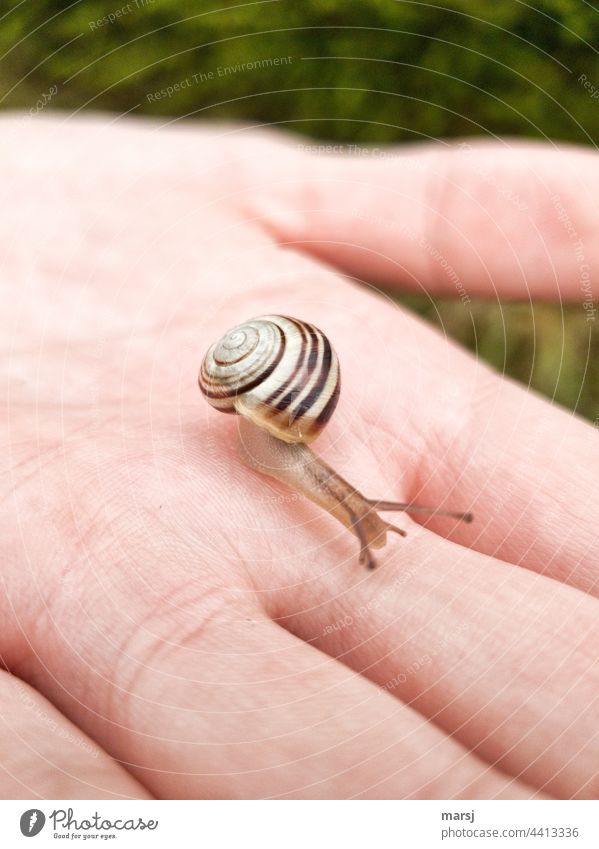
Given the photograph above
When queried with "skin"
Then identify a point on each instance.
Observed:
(173, 624)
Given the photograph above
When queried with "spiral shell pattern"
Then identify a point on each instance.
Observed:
(280, 372)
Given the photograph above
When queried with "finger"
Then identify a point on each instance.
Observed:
(168, 661)
(458, 436)
(487, 445)
(446, 427)
(45, 756)
(503, 660)
(243, 709)
(509, 219)
(420, 420)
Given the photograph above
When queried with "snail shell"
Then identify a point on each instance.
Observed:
(279, 372)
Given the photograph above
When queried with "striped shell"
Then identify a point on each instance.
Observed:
(277, 371)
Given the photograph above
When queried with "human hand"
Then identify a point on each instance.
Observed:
(187, 628)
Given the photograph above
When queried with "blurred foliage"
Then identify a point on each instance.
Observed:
(549, 348)
(369, 72)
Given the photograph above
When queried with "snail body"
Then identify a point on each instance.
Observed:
(281, 376)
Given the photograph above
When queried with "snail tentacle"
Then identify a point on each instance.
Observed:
(409, 507)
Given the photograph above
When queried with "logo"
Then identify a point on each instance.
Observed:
(32, 822)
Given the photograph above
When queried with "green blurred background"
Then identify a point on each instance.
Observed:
(364, 72)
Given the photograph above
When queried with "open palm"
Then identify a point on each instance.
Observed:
(173, 624)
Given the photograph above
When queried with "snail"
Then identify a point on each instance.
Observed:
(281, 376)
